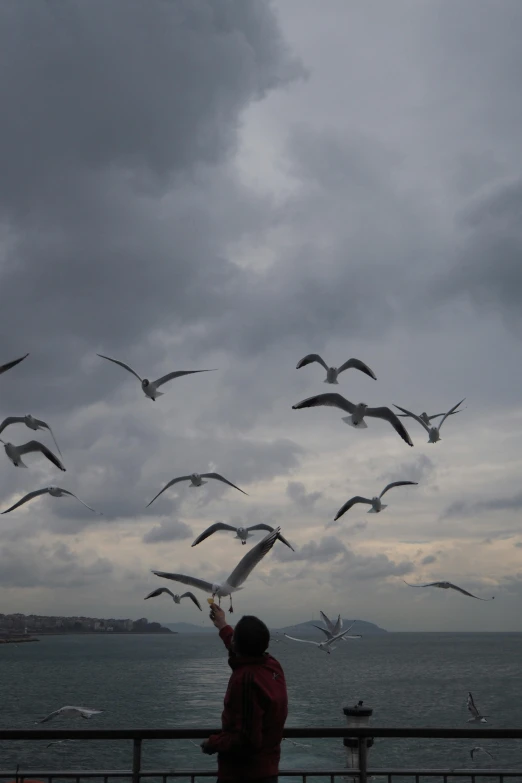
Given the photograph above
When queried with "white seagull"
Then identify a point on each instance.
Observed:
(71, 712)
(326, 646)
(15, 453)
(479, 749)
(196, 480)
(176, 598)
(375, 503)
(151, 387)
(8, 366)
(476, 717)
(428, 419)
(449, 586)
(332, 373)
(433, 432)
(331, 631)
(242, 533)
(55, 492)
(32, 423)
(357, 412)
(239, 575)
(334, 628)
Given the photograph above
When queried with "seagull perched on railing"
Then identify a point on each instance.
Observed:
(175, 597)
(71, 712)
(5, 367)
(151, 387)
(55, 492)
(15, 453)
(357, 412)
(239, 575)
(450, 586)
(476, 717)
(332, 373)
(241, 532)
(433, 432)
(326, 646)
(196, 480)
(375, 503)
(32, 423)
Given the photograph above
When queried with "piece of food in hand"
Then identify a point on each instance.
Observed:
(210, 601)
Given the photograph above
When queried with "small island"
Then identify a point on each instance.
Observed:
(15, 628)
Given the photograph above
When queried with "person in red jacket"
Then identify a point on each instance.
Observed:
(255, 706)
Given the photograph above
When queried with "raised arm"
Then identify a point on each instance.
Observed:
(226, 632)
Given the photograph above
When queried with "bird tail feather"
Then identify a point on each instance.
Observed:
(349, 420)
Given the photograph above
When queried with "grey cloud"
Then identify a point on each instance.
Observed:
(428, 559)
(327, 549)
(518, 544)
(168, 530)
(463, 508)
(27, 565)
(296, 491)
(363, 567)
(419, 469)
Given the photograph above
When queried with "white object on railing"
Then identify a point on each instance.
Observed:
(357, 717)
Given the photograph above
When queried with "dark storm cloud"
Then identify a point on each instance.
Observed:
(296, 491)
(168, 530)
(26, 565)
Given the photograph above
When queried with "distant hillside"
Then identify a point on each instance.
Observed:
(189, 628)
(360, 626)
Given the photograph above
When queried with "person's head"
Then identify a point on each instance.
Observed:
(251, 636)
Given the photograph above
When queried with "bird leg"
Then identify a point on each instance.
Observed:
(231, 607)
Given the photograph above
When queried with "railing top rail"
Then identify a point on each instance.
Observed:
(309, 771)
(291, 732)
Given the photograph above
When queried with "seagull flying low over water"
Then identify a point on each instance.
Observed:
(450, 586)
(32, 423)
(151, 387)
(55, 492)
(326, 646)
(375, 503)
(357, 412)
(479, 749)
(332, 630)
(239, 575)
(476, 717)
(176, 598)
(428, 419)
(433, 432)
(241, 532)
(15, 453)
(196, 480)
(71, 712)
(5, 367)
(332, 373)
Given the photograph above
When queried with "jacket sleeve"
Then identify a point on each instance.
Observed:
(226, 635)
(246, 711)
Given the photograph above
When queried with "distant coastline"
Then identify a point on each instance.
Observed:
(21, 625)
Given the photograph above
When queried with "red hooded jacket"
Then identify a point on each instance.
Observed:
(255, 710)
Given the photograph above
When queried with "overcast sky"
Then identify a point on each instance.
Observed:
(232, 185)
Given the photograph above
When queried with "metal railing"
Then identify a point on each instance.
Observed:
(137, 736)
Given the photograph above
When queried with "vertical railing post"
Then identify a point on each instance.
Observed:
(363, 760)
(136, 759)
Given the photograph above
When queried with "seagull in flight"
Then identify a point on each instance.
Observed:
(5, 367)
(151, 387)
(375, 503)
(242, 533)
(357, 412)
(476, 717)
(332, 373)
(55, 492)
(32, 423)
(478, 749)
(238, 576)
(327, 646)
(332, 630)
(428, 419)
(449, 586)
(433, 432)
(196, 480)
(71, 712)
(15, 453)
(176, 598)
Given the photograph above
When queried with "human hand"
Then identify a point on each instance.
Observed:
(206, 749)
(217, 615)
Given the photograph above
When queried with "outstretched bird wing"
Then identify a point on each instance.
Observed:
(35, 445)
(176, 374)
(391, 417)
(324, 630)
(66, 492)
(192, 598)
(8, 366)
(349, 503)
(357, 365)
(308, 359)
(218, 477)
(413, 416)
(471, 706)
(26, 498)
(331, 399)
(450, 412)
(122, 364)
(201, 584)
(247, 564)
(306, 641)
(46, 426)
(263, 526)
(212, 529)
(10, 420)
(159, 591)
(328, 622)
(465, 592)
(396, 484)
(170, 484)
